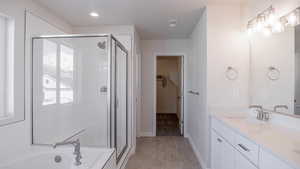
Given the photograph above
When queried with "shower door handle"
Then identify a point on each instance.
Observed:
(103, 89)
(117, 103)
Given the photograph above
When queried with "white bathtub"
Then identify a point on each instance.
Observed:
(44, 158)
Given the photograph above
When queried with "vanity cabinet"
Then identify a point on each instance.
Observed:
(231, 150)
(242, 162)
(269, 161)
(222, 153)
(225, 156)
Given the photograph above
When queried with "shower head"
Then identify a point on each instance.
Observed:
(102, 45)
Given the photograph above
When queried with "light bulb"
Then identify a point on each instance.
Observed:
(249, 31)
(271, 19)
(258, 27)
(267, 32)
(277, 27)
(292, 19)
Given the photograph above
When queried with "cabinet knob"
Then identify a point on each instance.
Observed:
(220, 140)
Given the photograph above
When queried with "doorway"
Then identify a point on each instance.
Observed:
(169, 96)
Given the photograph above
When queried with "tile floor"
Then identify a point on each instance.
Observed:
(166, 152)
(167, 125)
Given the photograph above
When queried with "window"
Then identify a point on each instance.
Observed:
(66, 74)
(6, 67)
(58, 68)
(49, 72)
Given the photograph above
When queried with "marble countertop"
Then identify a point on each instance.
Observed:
(282, 142)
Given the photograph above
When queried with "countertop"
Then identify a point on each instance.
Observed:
(282, 142)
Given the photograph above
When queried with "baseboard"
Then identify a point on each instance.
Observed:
(199, 157)
(146, 134)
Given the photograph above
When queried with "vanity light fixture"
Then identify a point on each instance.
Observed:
(263, 22)
(292, 19)
(267, 22)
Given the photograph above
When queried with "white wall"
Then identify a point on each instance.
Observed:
(106, 29)
(150, 49)
(16, 138)
(218, 42)
(196, 106)
(137, 85)
(224, 29)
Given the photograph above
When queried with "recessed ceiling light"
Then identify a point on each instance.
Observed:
(94, 14)
(172, 23)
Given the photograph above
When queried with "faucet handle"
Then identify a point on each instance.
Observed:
(256, 106)
(280, 106)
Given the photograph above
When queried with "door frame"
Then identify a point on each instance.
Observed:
(183, 75)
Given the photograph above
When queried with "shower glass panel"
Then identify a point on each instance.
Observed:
(121, 100)
(79, 87)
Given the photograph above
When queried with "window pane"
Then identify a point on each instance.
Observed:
(49, 72)
(2, 66)
(66, 74)
(6, 70)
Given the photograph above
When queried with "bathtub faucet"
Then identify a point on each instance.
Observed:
(76, 145)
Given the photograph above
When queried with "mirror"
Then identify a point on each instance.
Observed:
(275, 71)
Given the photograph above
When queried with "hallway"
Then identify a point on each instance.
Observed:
(163, 153)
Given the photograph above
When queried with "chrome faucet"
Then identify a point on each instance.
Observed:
(280, 106)
(76, 145)
(261, 113)
(256, 107)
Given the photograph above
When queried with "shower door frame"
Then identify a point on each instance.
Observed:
(120, 45)
(111, 80)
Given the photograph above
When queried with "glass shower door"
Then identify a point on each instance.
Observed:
(79, 88)
(121, 109)
(71, 90)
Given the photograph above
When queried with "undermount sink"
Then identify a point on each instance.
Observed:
(249, 117)
(255, 120)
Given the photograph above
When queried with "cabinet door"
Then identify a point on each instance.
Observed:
(228, 156)
(242, 162)
(267, 161)
(223, 153)
(216, 151)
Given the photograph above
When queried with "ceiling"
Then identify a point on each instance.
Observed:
(149, 16)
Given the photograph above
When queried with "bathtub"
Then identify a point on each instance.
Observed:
(60, 158)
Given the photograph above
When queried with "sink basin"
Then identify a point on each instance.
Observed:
(255, 121)
(248, 117)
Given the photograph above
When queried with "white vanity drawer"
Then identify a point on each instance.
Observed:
(248, 148)
(223, 130)
(268, 160)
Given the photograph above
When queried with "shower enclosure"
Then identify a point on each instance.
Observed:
(79, 89)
